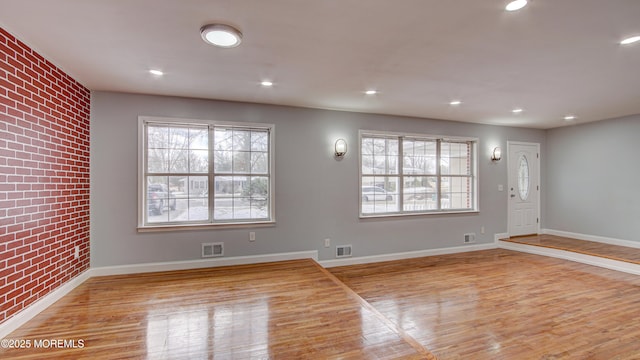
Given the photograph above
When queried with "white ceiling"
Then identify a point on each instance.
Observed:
(552, 58)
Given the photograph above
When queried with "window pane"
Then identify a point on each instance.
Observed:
(456, 193)
(241, 140)
(523, 178)
(225, 187)
(379, 194)
(367, 164)
(198, 150)
(158, 160)
(419, 157)
(189, 198)
(223, 139)
(455, 158)
(222, 161)
(198, 161)
(241, 161)
(367, 146)
(259, 163)
(241, 197)
(178, 161)
(259, 140)
(157, 137)
(379, 156)
(379, 146)
(259, 197)
(157, 199)
(380, 164)
(392, 147)
(419, 193)
(199, 139)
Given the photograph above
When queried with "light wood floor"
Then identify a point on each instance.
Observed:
(500, 304)
(494, 304)
(286, 310)
(614, 252)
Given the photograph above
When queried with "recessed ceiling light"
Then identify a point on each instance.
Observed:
(516, 5)
(221, 35)
(455, 102)
(156, 72)
(630, 40)
(570, 117)
(371, 92)
(266, 83)
(517, 111)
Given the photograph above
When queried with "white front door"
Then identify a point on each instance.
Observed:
(524, 188)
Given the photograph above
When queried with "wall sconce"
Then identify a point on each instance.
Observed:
(340, 148)
(496, 155)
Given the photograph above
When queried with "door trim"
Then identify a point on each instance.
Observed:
(509, 160)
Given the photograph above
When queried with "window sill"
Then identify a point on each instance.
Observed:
(409, 214)
(177, 227)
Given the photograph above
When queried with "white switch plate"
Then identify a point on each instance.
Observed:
(252, 236)
(327, 242)
(500, 187)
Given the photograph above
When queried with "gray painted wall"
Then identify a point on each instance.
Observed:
(593, 177)
(316, 196)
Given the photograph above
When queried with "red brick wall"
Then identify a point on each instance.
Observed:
(44, 176)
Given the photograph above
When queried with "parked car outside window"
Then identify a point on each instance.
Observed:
(159, 199)
(375, 193)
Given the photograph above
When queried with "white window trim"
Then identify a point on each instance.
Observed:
(401, 213)
(142, 227)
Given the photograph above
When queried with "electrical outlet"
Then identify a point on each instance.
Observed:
(327, 242)
(252, 236)
(482, 230)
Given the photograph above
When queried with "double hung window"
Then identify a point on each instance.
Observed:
(204, 173)
(416, 174)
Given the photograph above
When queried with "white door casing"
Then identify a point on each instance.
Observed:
(524, 188)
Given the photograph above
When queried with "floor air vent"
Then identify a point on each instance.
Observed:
(212, 249)
(343, 251)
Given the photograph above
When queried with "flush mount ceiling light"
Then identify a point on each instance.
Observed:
(570, 117)
(221, 35)
(371, 92)
(266, 83)
(516, 5)
(455, 102)
(517, 111)
(156, 72)
(630, 40)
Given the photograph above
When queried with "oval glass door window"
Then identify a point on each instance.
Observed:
(523, 178)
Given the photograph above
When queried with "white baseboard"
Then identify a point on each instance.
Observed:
(37, 307)
(34, 309)
(497, 237)
(573, 256)
(600, 239)
(405, 255)
(199, 264)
